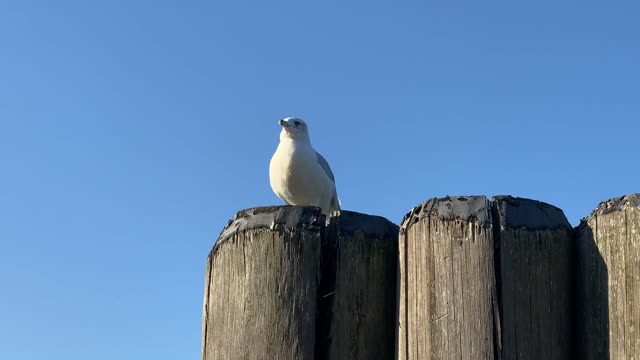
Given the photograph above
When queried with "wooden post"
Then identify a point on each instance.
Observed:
(466, 278)
(362, 296)
(281, 285)
(447, 290)
(534, 283)
(261, 285)
(608, 281)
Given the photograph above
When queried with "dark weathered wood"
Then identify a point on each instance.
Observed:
(608, 281)
(447, 288)
(363, 295)
(534, 241)
(465, 279)
(261, 286)
(281, 285)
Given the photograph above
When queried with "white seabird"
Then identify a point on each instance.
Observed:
(298, 174)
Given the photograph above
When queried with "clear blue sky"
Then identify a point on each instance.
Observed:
(131, 131)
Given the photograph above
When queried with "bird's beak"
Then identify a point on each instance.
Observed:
(284, 123)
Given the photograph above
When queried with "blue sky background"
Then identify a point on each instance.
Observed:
(131, 131)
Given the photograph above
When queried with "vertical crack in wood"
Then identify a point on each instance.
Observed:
(326, 289)
(497, 280)
(464, 263)
(406, 296)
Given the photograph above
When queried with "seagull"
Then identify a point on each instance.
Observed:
(298, 174)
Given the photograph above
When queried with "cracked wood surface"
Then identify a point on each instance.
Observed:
(446, 285)
(474, 280)
(364, 296)
(281, 285)
(481, 281)
(261, 286)
(608, 274)
(534, 240)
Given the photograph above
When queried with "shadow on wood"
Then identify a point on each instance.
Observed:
(462, 278)
(534, 242)
(281, 285)
(592, 298)
(362, 303)
(608, 272)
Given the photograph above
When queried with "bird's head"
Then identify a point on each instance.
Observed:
(294, 128)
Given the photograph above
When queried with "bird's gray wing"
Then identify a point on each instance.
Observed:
(325, 166)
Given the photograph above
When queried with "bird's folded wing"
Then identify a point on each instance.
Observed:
(325, 166)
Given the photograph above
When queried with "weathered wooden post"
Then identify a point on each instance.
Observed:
(281, 285)
(261, 285)
(474, 279)
(447, 291)
(482, 280)
(534, 282)
(361, 298)
(608, 281)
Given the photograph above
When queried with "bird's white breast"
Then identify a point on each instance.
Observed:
(297, 177)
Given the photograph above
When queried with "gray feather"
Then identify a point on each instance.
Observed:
(335, 201)
(325, 166)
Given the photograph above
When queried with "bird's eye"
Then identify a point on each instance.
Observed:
(296, 123)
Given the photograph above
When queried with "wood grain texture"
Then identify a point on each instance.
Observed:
(261, 286)
(363, 307)
(465, 279)
(535, 242)
(281, 285)
(447, 289)
(608, 286)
